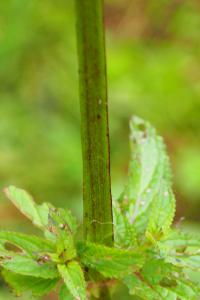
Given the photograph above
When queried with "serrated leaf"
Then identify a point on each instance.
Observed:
(190, 260)
(110, 262)
(185, 289)
(21, 284)
(59, 226)
(24, 265)
(140, 287)
(154, 270)
(149, 184)
(124, 233)
(65, 217)
(64, 293)
(162, 211)
(73, 277)
(38, 214)
(28, 243)
(177, 240)
(165, 293)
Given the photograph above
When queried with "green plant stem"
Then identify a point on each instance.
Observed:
(97, 203)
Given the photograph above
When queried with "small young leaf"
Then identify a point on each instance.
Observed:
(27, 266)
(162, 211)
(21, 284)
(110, 262)
(38, 214)
(59, 226)
(125, 235)
(73, 277)
(65, 217)
(27, 243)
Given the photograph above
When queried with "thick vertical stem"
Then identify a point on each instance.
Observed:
(97, 202)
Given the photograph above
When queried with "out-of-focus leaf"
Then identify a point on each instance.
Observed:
(27, 266)
(139, 287)
(21, 284)
(73, 277)
(177, 239)
(185, 289)
(165, 293)
(154, 270)
(28, 243)
(65, 294)
(38, 214)
(110, 262)
(190, 260)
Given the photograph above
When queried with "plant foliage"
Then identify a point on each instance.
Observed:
(149, 257)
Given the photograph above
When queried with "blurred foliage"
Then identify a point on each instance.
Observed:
(153, 54)
(188, 162)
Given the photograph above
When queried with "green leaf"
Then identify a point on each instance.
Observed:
(124, 233)
(59, 226)
(139, 288)
(165, 293)
(65, 217)
(162, 211)
(27, 243)
(180, 240)
(149, 184)
(110, 262)
(186, 290)
(156, 280)
(38, 214)
(27, 266)
(65, 294)
(21, 284)
(154, 270)
(190, 260)
(73, 277)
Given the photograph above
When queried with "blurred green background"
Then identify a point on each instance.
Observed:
(153, 58)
